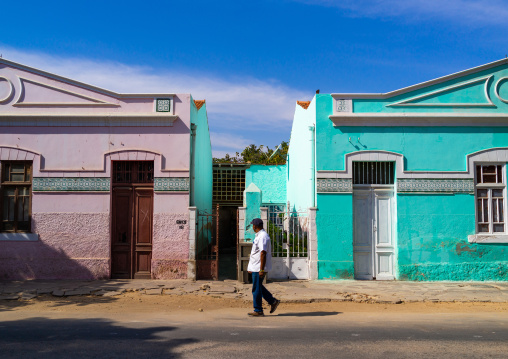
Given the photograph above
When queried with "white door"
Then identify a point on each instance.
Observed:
(373, 245)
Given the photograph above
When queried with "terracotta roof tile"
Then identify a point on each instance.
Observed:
(304, 104)
(199, 103)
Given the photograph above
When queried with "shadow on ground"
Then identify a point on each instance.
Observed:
(308, 314)
(87, 338)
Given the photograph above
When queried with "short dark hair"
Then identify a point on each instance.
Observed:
(260, 225)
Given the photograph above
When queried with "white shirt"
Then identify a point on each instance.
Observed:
(261, 243)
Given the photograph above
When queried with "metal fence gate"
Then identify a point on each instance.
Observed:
(207, 245)
(288, 230)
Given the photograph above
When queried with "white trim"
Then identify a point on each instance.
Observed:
(19, 237)
(496, 89)
(387, 119)
(499, 154)
(422, 84)
(91, 115)
(405, 103)
(9, 95)
(487, 238)
(82, 84)
(95, 101)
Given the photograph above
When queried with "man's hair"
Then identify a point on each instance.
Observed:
(260, 226)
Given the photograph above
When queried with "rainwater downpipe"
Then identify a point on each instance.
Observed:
(312, 186)
(192, 164)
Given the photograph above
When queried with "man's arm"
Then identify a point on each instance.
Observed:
(262, 265)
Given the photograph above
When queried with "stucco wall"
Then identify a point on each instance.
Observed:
(70, 246)
(301, 185)
(334, 222)
(271, 180)
(72, 132)
(202, 166)
(433, 245)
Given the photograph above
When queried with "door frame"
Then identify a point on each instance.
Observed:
(133, 187)
(375, 248)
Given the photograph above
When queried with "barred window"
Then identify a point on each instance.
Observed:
(490, 199)
(15, 196)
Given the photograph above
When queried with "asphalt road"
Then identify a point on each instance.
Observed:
(231, 334)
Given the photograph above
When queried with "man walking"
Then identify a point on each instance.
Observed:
(260, 262)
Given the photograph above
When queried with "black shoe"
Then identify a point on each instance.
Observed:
(273, 307)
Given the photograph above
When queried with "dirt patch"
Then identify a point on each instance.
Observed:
(133, 302)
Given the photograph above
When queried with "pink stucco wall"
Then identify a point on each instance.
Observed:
(74, 227)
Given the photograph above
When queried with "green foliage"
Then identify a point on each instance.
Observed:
(297, 243)
(258, 155)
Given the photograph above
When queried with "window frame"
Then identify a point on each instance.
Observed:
(490, 187)
(16, 184)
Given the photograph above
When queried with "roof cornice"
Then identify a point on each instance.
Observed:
(82, 84)
(419, 119)
(436, 81)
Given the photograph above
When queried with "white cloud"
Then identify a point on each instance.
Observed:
(472, 12)
(228, 142)
(235, 104)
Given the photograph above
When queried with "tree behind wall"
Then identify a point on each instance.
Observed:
(259, 155)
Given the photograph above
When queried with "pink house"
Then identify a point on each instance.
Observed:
(96, 184)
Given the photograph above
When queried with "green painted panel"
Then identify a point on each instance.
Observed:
(473, 93)
(433, 244)
(201, 171)
(334, 220)
(271, 180)
(424, 148)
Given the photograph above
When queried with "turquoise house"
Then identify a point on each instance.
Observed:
(409, 184)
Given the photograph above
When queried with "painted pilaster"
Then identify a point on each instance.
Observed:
(313, 253)
(264, 215)
(241, 223)
(191, 264)
(251, 200)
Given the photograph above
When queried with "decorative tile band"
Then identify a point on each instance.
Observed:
(334, 185)
(71, 184)
(173, 184)
(435, 185)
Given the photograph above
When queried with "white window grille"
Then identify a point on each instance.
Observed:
(490, 199)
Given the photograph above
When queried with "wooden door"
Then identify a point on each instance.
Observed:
(132, 219)
(383, 233)
(373, 233)
(362, 234)
(143, 216)
(121, 241)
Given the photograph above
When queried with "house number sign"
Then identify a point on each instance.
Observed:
(342, 105)
(181, 223)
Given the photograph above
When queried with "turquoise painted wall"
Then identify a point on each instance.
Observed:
(433, 245)
(252, 201)
(301, 186)
(432, 229)
(334, 222)
(470, 94)
(424, 148)
(271, 180)
(201, 171)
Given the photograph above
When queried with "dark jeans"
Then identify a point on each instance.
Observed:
(259, 292)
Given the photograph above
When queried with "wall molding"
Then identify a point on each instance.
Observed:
(334, 185)
(489, 103)
(171, 184)
(414, 185)
(71, 184)
(492, 155)
(390, 119)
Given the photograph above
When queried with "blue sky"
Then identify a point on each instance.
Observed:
(251, 60)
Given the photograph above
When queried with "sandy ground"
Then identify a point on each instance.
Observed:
(133, 302)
